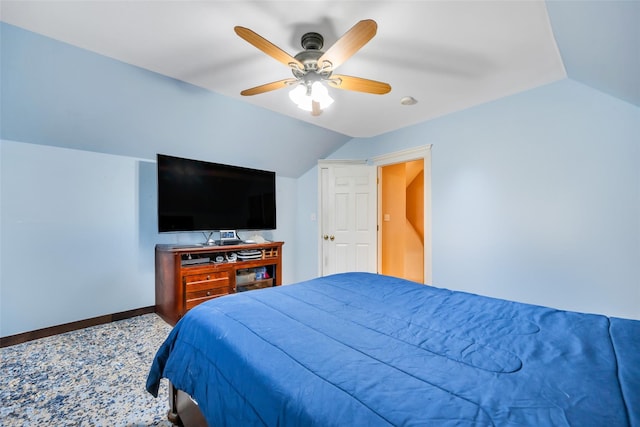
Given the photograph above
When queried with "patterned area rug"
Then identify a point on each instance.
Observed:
(90, 377)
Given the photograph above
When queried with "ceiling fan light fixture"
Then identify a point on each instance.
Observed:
(303, 96)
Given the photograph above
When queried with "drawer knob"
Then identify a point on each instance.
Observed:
(208, 293)
(208, 277)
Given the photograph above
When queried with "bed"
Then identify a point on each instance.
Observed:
(360, 349)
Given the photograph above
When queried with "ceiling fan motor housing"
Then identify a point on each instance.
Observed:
(312, 41)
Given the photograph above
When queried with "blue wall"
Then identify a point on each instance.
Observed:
(76, 239)
(536, 197)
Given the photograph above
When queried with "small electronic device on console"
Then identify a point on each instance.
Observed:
(188, 259)
(229, 237)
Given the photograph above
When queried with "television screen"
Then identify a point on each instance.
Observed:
(194, 195)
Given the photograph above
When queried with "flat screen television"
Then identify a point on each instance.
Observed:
(194, 195)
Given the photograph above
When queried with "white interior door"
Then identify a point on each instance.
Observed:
(348, 217)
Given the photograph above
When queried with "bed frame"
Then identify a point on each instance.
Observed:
(183, 410)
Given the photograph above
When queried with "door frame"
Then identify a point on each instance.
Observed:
(421, 152)
(416, 153)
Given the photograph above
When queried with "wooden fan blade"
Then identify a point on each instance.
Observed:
(267, 47)
(268, 87)
(349, 43)
(358, 84)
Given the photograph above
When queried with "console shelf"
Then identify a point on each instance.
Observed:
(189, 275)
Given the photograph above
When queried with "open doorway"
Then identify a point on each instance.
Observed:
(404, 214)
(402, 225)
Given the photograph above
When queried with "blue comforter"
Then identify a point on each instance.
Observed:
(360, 349)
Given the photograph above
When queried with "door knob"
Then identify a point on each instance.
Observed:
(331, 238)
(325, 237)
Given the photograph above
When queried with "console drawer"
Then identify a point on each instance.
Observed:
(208, 277)
(204, 289)
(190, 303)
(204, 286)
(201, 293)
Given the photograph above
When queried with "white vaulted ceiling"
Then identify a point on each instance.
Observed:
(449, 55)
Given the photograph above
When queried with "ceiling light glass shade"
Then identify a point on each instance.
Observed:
(298, 94)
(319, 93)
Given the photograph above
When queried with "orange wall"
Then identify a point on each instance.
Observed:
(393, 219)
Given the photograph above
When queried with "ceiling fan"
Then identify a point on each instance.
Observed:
(312, 66)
